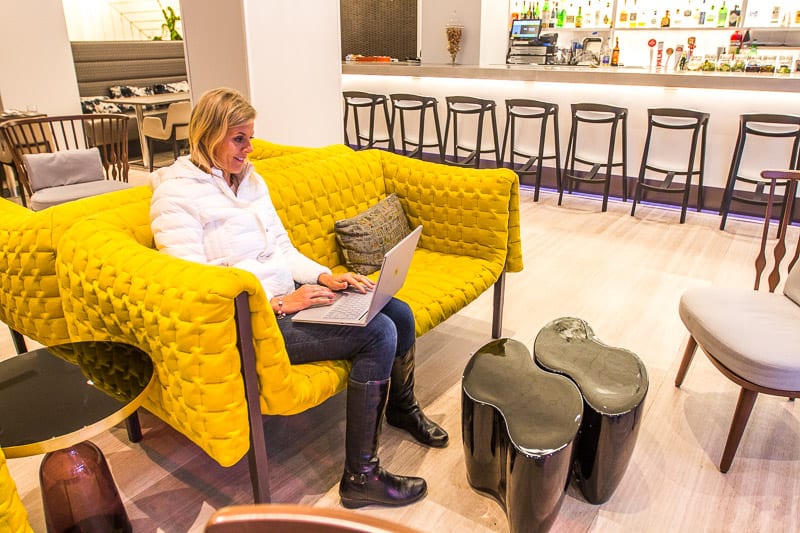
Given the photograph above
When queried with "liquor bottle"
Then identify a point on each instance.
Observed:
(735, 43)
(546, 14)
(654, 19)
(615, 54)
(633, 15)
(701, 18)
(570, 17)
(579, 18)
(665, 20)
(623, 14)
(797, 18)
(554, 15)
(676, 18)
(722, 18)
(562, 15)
(775, 19)
(711, 16)
(605, 54)
(734, 16)
(607, 15)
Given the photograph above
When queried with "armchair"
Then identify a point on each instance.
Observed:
(68, 138)
(175, 128)
(751, 336)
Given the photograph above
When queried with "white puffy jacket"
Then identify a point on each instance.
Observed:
(196, 216)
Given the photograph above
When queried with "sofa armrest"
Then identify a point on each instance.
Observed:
(464, 211)
(114, 287)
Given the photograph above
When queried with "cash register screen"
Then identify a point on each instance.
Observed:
(526, 29)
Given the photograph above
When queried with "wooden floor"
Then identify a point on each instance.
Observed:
(624, 276)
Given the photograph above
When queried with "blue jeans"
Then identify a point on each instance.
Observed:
(372, 349)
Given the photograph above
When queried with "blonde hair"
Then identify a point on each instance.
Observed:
(214, 113)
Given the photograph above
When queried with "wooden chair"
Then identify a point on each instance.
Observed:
(67, 136)
(297, 519)
(174, 128)
(751, 336)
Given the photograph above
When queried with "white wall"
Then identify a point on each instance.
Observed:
(434, 15)
(36, 58)
(214, 41)
(295, 70)
(495, 15)
(94, 20)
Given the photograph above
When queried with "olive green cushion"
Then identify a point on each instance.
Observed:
(365, 238)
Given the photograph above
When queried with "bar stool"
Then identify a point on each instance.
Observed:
(597, 114)
(465, 106)
(660, 122)
(776, 132)
(418, 106)
(358, 100)
(524, 109)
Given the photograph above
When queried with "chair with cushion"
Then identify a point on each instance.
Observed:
(751, 336)
(764, 141)
(64, 158)
(297, 519)
(174, 128)
(13, 516)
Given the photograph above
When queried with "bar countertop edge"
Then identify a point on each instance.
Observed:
(572, 74)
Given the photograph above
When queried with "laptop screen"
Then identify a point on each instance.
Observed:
(526, 29)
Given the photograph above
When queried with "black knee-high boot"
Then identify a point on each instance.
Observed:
(403, 410)
(364, 482)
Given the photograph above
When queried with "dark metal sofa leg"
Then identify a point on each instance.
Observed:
(19, 341)
(257, 455)
(497, 315)
(134, 427)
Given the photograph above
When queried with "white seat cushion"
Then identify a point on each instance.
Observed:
(44, 198)
(756, 334)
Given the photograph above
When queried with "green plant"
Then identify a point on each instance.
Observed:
(169, 26)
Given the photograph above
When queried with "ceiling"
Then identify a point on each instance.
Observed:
(146, 15)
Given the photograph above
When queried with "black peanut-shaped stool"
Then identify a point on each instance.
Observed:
(518, 426)
(614, 383)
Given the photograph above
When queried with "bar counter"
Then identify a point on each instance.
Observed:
(724, 96)
(575, 74)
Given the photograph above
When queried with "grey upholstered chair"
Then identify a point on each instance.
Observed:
(751, 336)
(64, 158)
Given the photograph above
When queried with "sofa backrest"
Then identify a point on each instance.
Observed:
(29, 289)
(310, 197)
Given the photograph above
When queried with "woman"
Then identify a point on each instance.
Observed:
(211, 207)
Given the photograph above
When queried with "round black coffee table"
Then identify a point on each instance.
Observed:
(56, 398)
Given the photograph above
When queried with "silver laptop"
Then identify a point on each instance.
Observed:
(353, 308)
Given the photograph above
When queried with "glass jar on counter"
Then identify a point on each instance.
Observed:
(724, 63)
(695, 63)
(739, 63)
(709, 63)
(785, 64)
(766, 64)
(753, 65)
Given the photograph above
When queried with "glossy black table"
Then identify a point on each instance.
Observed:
(56, 398)
(519, 424)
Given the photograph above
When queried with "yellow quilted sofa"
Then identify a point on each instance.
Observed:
(30, 302)
(13, 516)
(115, 286)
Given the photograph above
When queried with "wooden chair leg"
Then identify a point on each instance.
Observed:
(688, 355)
(744, 406)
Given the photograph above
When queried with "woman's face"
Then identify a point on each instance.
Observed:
(231, 153)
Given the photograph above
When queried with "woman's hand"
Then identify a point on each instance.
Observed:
(305, 296)
(339, 282)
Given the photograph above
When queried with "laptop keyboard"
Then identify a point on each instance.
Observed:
(350, 306)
